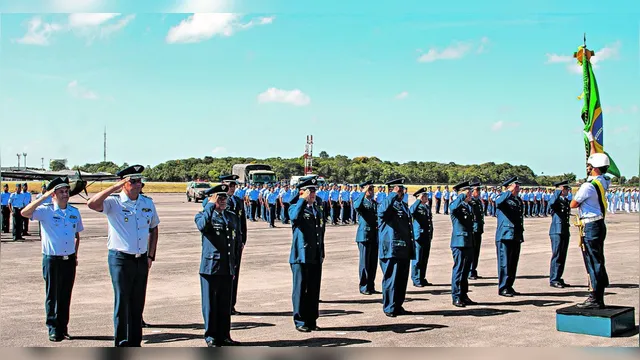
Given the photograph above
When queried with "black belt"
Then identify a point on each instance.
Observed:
(129, 256)
(61, 257)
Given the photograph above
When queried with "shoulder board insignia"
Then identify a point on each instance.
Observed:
(114, 195)
(146, 196)
(73, 217)
(146, 210)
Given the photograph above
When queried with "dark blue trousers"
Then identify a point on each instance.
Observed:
(477, 244)
(368, 265)
(462, 257)
(593, 255)
(508, 255)
(446, 206)
(419, 264)
(438, 206)
(285, 213)
(59, 276)
(306, 293)
(395, 275)
(559, 248)
(129, 278)
(236, 278)
(216, 306)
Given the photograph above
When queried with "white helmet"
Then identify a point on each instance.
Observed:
(598, 160)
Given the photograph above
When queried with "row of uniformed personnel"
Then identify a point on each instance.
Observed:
(12, 205)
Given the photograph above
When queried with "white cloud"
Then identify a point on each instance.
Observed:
(634, 109)
(456, 50)
(620, 129)
(88, 25)
(499, 125)
(613, 110)
(76, 90)
(202, 26)
(38, 32)
(201, 6)
(218, 150)
(294, 97)
(402, 95)
(608, 52)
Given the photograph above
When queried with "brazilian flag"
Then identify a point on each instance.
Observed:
(591, 110)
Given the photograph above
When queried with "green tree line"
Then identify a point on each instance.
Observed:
(341, 169)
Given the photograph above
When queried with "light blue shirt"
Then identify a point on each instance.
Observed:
(253, 194)
(429, 194)
(5, 198)
(272, 197)
(59, 228)
(484, 195)
(446, 195)
(438, 194)
(129, 222)
(17, 200)
(345, 195)
(334, 195)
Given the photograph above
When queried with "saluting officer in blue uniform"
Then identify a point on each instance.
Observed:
(509, 235)
(307, 255)
(6, 213)
(478, 207)
(461, 244)
(367, 237)
(396, 248)
(591, 204)
(422, 235)
(221, 245)
(235, 205)
(132, 240)
(61, 225)
(559, 232)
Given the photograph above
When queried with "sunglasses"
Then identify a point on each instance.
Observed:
(222, 196)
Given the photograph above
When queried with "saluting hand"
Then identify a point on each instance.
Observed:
(120, 184)
(305, 194)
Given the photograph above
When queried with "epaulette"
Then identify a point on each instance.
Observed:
(146, 196)
(115, 195)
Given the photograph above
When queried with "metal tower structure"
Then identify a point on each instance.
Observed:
(308, 156)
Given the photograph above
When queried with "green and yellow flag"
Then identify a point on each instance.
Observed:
(591, 110)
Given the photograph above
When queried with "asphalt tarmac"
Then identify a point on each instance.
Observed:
(173, 306)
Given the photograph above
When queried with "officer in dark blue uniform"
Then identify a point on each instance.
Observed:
(479, 209)
(559, 232)
(234, 204)
(422, 235)
(461, 244)
(307, 254)
(367, 237)
(395, 248)
(220, 248)
(509, 235)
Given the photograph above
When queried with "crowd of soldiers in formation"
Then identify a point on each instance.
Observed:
(270, 202)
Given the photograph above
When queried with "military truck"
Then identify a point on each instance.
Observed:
(254, 173)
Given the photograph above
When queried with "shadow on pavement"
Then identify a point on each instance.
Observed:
(93, 338)
(527, 277)
(312, 342)
(158, 338)
(431, 291)
(396, 328)
(562, 294)
(623, 286)
(324, 313)
(466, 312)
(536, 303)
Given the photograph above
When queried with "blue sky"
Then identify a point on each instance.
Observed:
(415, 82)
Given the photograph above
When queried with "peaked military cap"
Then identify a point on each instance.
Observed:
(218, 189)
(510, 181)
(398, 182)
(421, 191)
(229, 178)
(58, 183)
(462, 186)
(564, 183)
(133, 172)
(366, 183)
(308, 183)
(474, 184)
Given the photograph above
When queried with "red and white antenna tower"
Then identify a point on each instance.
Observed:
(308, 156)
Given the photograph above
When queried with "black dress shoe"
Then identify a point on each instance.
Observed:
(513, 292)
(418, 285)
(556, 285)
(458, 303)
(390, 314)
(374, 291)
(403, 311)
(564, 283)
(366, 292)
(591, 303)
(473, 277)
(55, 338)
(468, 301)
(229, 342)
(212, 343)
(66, 336)
(426, 283)
(506, 293)
(235, 312)
(303, 329)
(314, 328)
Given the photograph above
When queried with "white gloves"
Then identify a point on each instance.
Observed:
(589, 135)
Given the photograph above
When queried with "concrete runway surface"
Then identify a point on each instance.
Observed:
(173, 306)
